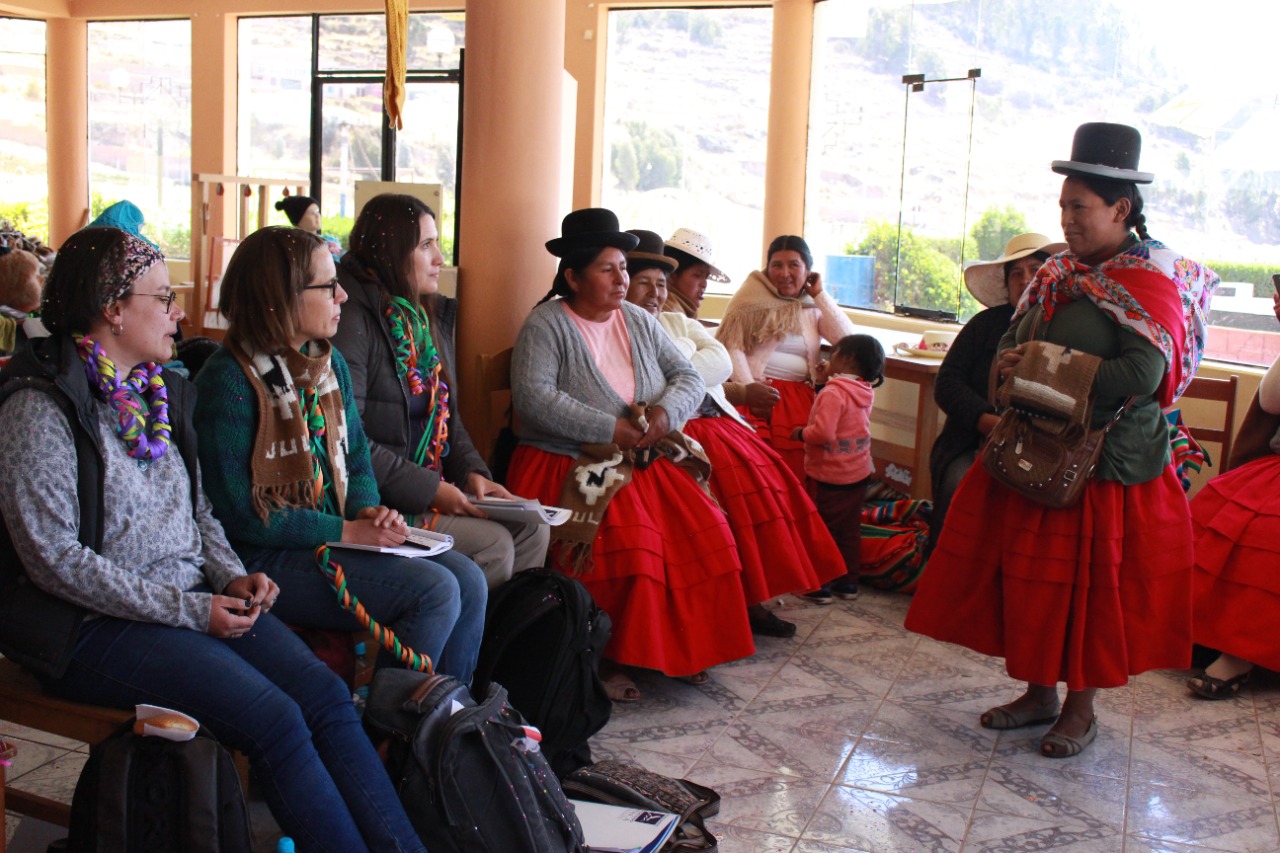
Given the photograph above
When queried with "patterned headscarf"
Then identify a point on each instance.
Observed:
(137, 258)
(1148, 289)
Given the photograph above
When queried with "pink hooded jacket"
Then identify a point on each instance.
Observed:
(837, 441)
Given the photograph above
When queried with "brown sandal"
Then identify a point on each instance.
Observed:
(621, 689)
(697, 679)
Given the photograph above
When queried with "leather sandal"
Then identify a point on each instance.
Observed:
(1209, 687)
(1054, 745)
(696, 679)
(1002, 718)
(621, 689)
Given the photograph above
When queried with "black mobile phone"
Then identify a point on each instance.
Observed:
(1275, 282)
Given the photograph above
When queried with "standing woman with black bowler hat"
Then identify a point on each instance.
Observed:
(601, 393)
(1094, 593)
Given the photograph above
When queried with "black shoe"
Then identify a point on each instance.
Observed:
(770, 625)
(821, 595)
(845, 590)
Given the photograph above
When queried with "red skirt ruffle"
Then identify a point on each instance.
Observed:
(665, 566)
(795, 399)
(1087, 595)
(782, 542)
(1236, 522)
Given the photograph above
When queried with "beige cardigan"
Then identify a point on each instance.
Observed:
(822, 319)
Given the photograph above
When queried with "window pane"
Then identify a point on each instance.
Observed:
(140, 124)
(24, 180)
(274, 129)
(359, 42)
(1209, 131)
(686, 111)
(427, 148)
(351, 148)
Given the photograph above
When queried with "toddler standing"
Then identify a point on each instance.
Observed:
(837, 447)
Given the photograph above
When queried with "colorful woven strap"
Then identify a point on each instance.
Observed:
(384, 636)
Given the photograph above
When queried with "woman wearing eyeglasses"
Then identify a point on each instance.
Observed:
(286, 461)
(117, 584)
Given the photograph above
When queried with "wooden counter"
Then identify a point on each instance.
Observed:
(907, 466)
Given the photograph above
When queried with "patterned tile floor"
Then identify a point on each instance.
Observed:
(858, 736)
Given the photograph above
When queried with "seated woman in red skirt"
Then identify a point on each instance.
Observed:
(782, 542)
(1099, 591)
(1236, 522)
(773, 329)
(601, 392)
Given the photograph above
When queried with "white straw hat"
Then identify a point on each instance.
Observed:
(985, 279)
(699, 246)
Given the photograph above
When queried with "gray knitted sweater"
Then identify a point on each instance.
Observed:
(156, 548)
(563, 400)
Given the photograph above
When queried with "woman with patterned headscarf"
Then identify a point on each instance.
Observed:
(118, 585)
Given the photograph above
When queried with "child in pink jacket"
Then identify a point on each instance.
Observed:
(837, 447)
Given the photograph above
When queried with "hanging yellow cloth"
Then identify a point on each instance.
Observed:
(397, 60)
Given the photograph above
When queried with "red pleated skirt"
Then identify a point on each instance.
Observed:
(1236, 522)
(782, 542)
(664, 566)
(795, 399)
(1087, 595)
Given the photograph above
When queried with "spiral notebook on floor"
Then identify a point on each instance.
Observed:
(523, 510)
(418, 543)
(623, 829)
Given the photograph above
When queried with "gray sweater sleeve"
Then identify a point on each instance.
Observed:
(562, 398)
(221, 563)
(38, 498)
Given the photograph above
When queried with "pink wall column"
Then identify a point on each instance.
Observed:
(784, 171)
(67, 123)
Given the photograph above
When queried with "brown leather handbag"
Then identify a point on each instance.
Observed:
(1043, 447)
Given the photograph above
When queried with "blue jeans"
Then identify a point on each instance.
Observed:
(435, 606)
(268, 696)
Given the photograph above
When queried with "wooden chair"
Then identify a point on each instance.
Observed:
(1213, 390)
(23, 702)
(494, 385)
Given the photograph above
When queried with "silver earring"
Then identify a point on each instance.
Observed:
(117, 329)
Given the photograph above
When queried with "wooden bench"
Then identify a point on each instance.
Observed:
(23, 702)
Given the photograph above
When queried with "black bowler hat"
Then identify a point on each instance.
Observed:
(591, 227)
(1104, 150)
(650, 248)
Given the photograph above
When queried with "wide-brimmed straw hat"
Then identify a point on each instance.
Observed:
(1104, 150)
(589, 228)
(985, 279)
(698, 246)
(650, 249)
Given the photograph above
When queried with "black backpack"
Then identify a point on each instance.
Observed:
(543, 640)
(141, 794)
(471, 777)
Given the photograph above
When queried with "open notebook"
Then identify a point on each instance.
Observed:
(419, 543)
(523, 510)
(623, 829)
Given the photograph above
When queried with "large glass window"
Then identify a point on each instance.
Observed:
(140, 124)
(686, 111)
(24, 178)
(283, 87)
(879, 156)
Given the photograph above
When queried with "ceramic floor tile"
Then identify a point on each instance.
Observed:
(808, 845)
(868, 820)
(29, 756)
(57, 779)
(11, 822)
(675, 766)
(737, 839)
(761, 801)
(1004, 833)
(1185, 764)
(8, 729)
(1054, 792)
(1232, 821)
(1143, 844)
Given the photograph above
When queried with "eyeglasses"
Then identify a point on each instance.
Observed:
(167, 298)
(331, 285)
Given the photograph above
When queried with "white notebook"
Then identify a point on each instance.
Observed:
(419, 543)
(623, 829)
(523, 510)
